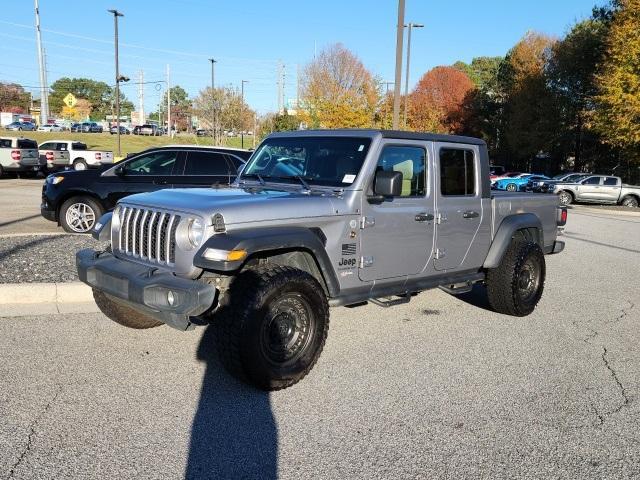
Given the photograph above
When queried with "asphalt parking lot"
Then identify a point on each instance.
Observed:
(439, 388)
(20, 207)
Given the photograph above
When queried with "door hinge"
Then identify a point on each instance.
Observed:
(367, 222)
(440, 253)
(366, 262)
(441, 218)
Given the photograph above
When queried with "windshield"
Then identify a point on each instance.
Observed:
(326, 161)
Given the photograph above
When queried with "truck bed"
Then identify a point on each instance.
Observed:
(510, 203)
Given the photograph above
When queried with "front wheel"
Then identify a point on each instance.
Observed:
(565, 198)
(516, 285)
(511, 187)
(79, 214)
(274, 326)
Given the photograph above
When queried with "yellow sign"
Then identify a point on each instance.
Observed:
(70, 100)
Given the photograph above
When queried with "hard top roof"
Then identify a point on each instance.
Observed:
(402, 135)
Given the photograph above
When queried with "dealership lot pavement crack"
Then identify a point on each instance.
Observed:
(32, 434)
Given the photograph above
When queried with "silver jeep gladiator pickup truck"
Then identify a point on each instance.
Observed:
(319, 219)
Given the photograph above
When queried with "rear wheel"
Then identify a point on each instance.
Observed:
(123, 314)
(511, 187)
(631, 202)
(565, 198)
(274, 326)
(79, 164)
(79, 214)
(516, 285)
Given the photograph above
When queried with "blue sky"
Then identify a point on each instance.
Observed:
(249, 38)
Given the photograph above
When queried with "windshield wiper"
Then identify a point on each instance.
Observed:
(299, 178)
(255, 175)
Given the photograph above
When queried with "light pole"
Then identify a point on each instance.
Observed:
(117, 14)
(406, 80)
(398, 80)
(213, 96)
(242, 113)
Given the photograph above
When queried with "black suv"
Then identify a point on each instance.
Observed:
(77, 199)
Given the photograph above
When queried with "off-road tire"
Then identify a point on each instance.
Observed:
(630, 202)
(565, 198)
(242, 324)
(62, 215)
(503, 282)
(123, 314)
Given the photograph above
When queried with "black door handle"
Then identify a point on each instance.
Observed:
(470, 214)
(159, 182)
(424, 217)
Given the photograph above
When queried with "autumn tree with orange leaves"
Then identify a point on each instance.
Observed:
(338, 91)
(437, 104)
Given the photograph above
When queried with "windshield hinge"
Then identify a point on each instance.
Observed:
(367, 222)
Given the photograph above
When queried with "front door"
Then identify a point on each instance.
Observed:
(590, 189)
(397, 234)
(143, 173)
(458, 203)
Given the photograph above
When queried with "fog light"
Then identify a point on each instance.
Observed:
(171, 299)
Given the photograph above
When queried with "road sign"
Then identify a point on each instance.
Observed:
(70, 100)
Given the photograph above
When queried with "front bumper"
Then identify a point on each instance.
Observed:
(48, 214)
(146, 288)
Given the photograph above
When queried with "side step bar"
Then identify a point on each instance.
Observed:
(387, 302)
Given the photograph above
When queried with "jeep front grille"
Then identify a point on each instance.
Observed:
(149, 235)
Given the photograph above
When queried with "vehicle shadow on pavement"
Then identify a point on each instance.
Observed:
(476, 297)
(18, 220)
(18, 248)
(234, 434)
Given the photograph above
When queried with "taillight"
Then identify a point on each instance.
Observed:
(49, 156)
(98, 156)
(16, 155)
(562, 217)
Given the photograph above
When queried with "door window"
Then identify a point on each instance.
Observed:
(48, 146)
(457, 172)
(156, 163)
(206, 163)
(592, 181)
(411, 163)
(611, 181)
(5, 143)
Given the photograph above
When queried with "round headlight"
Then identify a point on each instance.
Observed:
(196, 231)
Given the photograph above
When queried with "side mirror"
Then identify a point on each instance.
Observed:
(120, 170)
(386, 184)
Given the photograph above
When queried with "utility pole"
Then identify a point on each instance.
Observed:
(242, 113)
(297, 88)
(398, 82)
(279, 82)
(213, 99)
(168, 103)
(283, 87)
(141, 96)
(255, 128)
(117, 14)
(410, 26)
(44, 88)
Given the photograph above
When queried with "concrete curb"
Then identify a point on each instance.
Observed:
(24, 299)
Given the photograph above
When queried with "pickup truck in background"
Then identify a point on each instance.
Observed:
(600, 189)
(19, 156)
(317, 219)
(60, 154)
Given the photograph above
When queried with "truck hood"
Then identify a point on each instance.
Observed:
(239, 205)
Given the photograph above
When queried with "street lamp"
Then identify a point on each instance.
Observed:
(406, 80)
(119, 78)
(242, 113)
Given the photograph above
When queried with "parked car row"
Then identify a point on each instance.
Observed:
(77, 199)
(571, 187)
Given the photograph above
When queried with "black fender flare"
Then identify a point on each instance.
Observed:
(269, 239)
(509, 226)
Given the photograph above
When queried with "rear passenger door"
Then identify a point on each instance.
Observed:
(459, 211)
(610, 190)
(203, 168)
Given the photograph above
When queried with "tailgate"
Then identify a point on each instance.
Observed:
(107, 157)
(30, 156)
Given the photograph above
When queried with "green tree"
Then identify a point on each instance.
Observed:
(618, 113)
(482, 71)
(100, 95)
(529, 109)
